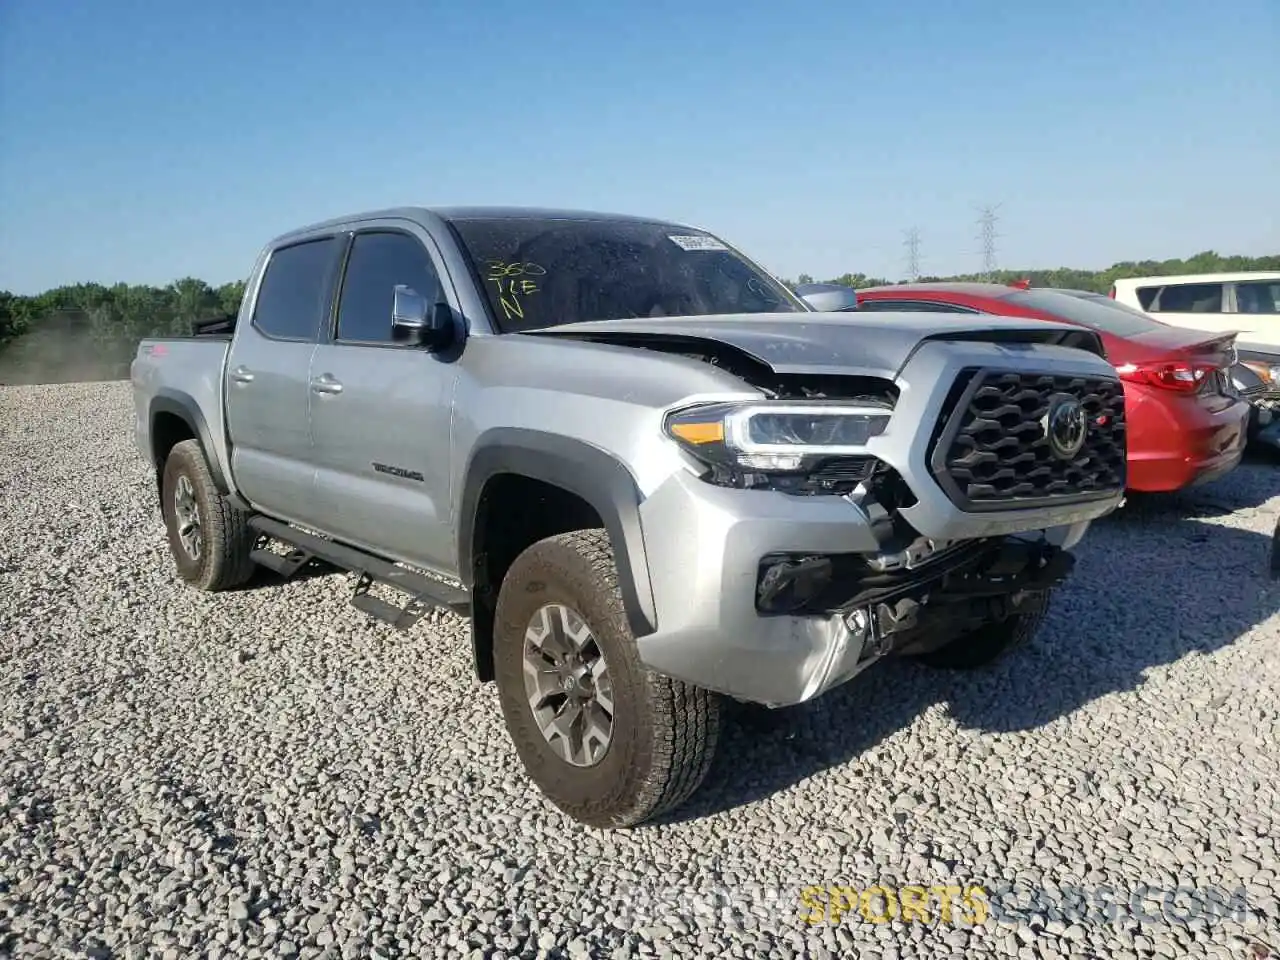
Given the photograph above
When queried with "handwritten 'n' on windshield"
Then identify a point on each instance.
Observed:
(513, 283)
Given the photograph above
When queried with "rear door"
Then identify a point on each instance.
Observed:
(266, 386)
(380, 410)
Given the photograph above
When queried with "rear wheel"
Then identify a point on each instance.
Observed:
(993, 640)
(607, 741)
(209, 539)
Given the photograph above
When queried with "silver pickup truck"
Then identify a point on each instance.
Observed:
(651, 477)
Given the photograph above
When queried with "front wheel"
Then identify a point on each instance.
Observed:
(992, 641)
(607, 741)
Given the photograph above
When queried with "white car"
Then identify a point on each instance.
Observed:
(1248, 303)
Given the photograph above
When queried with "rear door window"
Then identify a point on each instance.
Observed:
(295, 288)
(1188, 298)
(1258, 296)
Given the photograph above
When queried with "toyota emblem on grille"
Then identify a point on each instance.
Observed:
(1065, 426)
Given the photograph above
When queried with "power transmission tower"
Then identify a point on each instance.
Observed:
(987, 223)
(912, 243)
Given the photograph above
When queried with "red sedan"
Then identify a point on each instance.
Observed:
(1186, 423)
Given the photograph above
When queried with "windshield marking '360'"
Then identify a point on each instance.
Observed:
(511, 282)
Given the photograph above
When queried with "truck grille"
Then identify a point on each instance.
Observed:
(992, 449)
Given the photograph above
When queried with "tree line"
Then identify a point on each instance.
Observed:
(1099, 281)
(89, 331)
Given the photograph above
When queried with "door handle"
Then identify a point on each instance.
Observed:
(242, 374)
(326, 384)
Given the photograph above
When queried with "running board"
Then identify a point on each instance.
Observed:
(424, 592)
(284, 564)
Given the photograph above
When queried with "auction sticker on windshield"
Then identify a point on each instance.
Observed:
(697, 243)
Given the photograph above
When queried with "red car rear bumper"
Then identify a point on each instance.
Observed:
(1176, 442)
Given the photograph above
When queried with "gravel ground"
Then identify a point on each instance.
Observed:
(270, 773)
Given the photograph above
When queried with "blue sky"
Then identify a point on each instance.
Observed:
(143, 141)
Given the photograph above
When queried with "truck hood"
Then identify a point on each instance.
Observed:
(869, 344)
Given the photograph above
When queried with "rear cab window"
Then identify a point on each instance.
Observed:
(294, 291)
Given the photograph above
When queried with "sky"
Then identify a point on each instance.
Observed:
(145, 141)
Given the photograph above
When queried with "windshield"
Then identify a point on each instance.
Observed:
(1096, 312)
(546, 272)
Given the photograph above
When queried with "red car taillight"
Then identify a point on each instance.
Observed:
(1184, 376)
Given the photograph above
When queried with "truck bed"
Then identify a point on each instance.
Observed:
(183, 370)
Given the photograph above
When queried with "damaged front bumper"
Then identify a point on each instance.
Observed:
(776, 599)
(916, 610)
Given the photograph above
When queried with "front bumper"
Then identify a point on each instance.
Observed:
(705, 547)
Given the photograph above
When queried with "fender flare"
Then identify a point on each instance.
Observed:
(184, 406)
(586, 471)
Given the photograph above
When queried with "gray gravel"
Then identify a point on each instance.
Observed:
(269, 773)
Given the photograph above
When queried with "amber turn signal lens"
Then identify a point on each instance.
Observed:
(699, 432)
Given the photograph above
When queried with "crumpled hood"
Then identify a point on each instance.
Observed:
(861, 344)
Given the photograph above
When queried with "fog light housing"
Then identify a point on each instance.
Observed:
(786, 583)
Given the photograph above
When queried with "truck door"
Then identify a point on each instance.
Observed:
(380, 410)
(266, 388)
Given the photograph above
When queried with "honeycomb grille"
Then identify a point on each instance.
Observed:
(993, 451)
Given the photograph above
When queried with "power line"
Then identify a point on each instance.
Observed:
(987, 224)
(912, 244)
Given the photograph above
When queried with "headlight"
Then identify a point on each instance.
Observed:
(1268, 372)
(774, 436)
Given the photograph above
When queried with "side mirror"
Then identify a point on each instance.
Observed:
(414, 321)
(828, 297)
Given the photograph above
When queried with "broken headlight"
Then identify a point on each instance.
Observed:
(775, 436)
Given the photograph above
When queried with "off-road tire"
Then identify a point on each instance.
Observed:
(664, 731)
(227, 538)
(992, 641)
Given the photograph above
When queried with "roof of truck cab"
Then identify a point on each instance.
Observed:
(429, 214)
(538, 213)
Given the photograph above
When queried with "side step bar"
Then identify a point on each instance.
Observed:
(424, 592)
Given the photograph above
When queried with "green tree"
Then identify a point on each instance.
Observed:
(229, 297)
(91, 331)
